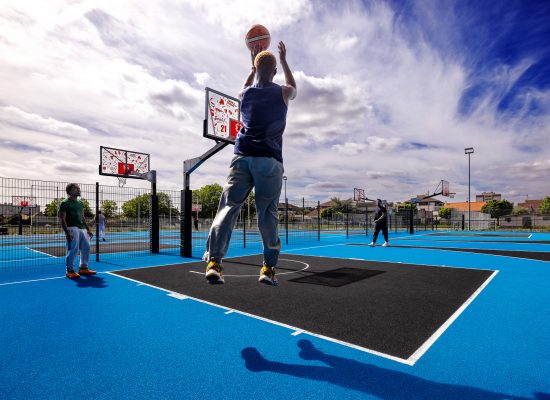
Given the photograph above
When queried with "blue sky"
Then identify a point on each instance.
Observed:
(389, 92)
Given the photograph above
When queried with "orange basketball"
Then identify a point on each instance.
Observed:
(258, 35)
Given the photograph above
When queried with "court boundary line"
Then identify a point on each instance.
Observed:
(269, 321)
(411, 361)
(439, 332)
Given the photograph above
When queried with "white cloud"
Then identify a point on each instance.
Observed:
(374, 109)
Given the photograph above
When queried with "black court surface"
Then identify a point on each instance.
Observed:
(530, 255)
(389, 308)
(502, 235)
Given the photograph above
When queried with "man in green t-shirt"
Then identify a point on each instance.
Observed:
(71, 215)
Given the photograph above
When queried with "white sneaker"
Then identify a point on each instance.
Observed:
(386, 244)
(372, 244)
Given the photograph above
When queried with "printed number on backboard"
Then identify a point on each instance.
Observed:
(224, 115)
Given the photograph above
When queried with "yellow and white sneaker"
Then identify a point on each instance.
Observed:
(214, 273)
(267, 276)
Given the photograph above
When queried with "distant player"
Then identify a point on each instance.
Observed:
(101, 221)
(380, 223)
(258, 164)
(71, 216)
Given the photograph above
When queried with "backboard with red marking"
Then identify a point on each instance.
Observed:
(222, 119)
(23, 201)
(121, 163)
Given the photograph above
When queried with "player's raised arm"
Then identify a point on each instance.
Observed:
(250, 78)
(289, 89)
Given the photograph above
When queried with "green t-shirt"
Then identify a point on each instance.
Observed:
(74, 211)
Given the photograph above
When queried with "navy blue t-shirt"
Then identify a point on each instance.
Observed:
(263, 112)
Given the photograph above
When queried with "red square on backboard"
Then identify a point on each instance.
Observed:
(234, 127)
(122, 170)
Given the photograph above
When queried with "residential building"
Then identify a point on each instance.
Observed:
(487, 196)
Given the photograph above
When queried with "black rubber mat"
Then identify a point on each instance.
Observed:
(61, 251)
(393, 312)
(337, 277)
(529, 255)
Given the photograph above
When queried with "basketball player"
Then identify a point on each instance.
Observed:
(380, 223)
(71, 216)
(258, 164)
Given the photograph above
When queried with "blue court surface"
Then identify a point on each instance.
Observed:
(110, 337)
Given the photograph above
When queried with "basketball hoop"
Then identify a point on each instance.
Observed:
(121, 181)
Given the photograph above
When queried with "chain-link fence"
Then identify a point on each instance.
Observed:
(31, 234)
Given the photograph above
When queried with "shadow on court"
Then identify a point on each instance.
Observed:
(380, 382)
(92, 281)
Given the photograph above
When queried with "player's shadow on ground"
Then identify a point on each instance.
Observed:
(92, 281)
(380, 382)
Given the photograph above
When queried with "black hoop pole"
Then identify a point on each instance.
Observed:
(97, 250)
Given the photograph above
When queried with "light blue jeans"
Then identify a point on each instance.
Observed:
(80, 242)
(265, 175)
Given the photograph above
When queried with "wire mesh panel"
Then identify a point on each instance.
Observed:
(30, 232)
(169, 221)
(298, 221)
(126, 215)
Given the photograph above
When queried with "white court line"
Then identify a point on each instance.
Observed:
(256, 275)
(313, 247)
(32, 280)
(292, 328)
(428, 343)
(41, 252)
(178, 296)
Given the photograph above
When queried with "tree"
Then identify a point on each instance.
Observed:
(445, 212)
(53, 207)
(544, 207)
(497, 208)
(519, 210)
(139, 204)
(109, 208)
(406, 207)
(165, 205)
(340, 206)
(88, 213)
(208, 197)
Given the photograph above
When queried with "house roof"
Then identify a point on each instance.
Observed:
(463, 206)
(531, 204)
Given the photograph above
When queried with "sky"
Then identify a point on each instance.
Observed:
(389, 92)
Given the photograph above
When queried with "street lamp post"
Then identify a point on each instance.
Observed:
(469, 150)
(286, 211)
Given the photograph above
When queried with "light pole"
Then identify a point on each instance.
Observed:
(469, 150)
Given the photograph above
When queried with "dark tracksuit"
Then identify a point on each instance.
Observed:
(382, 224)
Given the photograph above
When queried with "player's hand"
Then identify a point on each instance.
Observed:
(90, 234)
(282, 51)
(69, 236)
